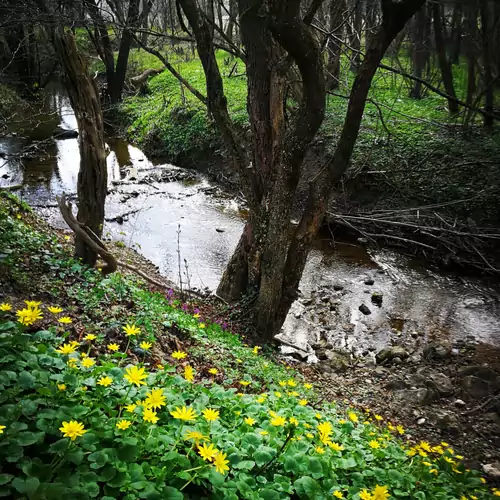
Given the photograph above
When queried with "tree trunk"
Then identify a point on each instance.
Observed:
(92, 177)
(419, 37)
(354, 31)
(337, 13)
(233, 9)
(456, 33)
(444, 64)
(487, 32)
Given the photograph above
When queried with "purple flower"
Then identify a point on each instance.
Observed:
(184, 307)
(197, 311)
(224, 325)
(170, 293)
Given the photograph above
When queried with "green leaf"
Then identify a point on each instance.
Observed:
(26, 380)
(99, 459)
(244, 464)
(28, 486)
(119, 480)
(347, 463)
(92, 489)
(291, 465)
(268, 494)
(395, 476)
(128, 453)
(315, 468)
(27, 438)
(308, 488)
(5, 478)
(75, 457)
(170, 493)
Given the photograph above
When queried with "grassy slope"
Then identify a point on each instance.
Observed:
(280, 455)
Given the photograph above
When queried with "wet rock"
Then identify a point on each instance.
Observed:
(480, 371)
(339, 363)
(298, 315)
(437, 351)
(364, 309)
(220, 230)
(460, 403)
(337, 287)
(306, 302)
(380, 372)
(474, 387)
(63, 133)
(294, 353)
(321, 354)
(420, 396)
(5, 176)
(369, 282)
(448, 422)
(396, 384)
(377, 299)
(363, 241)
(390, 353)
(492, 423)
(421, 421)
(492, 470)
(440, 383)
(397, 361)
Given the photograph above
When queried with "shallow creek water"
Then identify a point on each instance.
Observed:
(418, 302)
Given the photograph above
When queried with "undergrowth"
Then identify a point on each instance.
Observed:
(109, 390)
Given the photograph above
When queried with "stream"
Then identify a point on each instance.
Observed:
(174, 210)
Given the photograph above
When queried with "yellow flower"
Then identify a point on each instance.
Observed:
(278, 421)
(5, 307)
(207, 452)
(123, 425)
(444, 444)
(239, 394)
(365, 495)
(65, 320)
(353, 417)
(105, 381)
(325, 431)
(449, 460)
(145, 345)
(149, 416)
(320, 450)
(2, 427)
(496, 493)
(482, 480)
(84, 355)
(184, 413)
(130, 408)
(433, 471)
(113, 347)
(335, 446)
(202, 325)
(308, 386)
(210, 414)
(89, 337)
(155, 399)
(196, 315)
(424, 445)
(318, 416)
(303, 402)
(136, 375)
(196, 436)
(277, 394)
(244, 383)
(32, 304)
(261, 399)
(179, 355)
(374, 444)
(295, 394)
(338, 494)
(380, 493)
(61, 387)
(428, 464)
(239, 361)
(54, 309)
(72, 362)
(88, 362)
(213, 371)
(293, 421)
(264, 433)
(72, 429)
(131, 330)
(291, 382)
(378, 417)
(28, 316)
(309, 435)
(189, 373)
(66, 349)
(282, 383)
(249, 421)
(256, 349)
(220, 462)
(342, 421)
(400, 429)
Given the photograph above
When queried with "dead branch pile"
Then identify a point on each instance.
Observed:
(425, 232)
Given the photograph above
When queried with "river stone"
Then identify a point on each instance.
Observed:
(448, 421)
(338, 362)
(63, 133)
(337, 287)
(369, 282)
(492, 470)
(474, 387)
(377, 299)
(390, 353)
(364, 309)
(437, 351)
(483, 372)
(420, 396)
(441, 383)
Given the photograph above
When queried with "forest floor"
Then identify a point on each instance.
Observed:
(450, 395)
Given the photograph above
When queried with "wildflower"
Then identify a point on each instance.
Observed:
(256, 349)
(244, 383)
(239, 361)
(150, 416)
(105, 381)
(196, 436)
(61, 387)
(309, 435)
(264, 433)
(433, 471)
(282, 383)
(374, 444)
(88, 362)
(496, 492)
(131, 407)
(261, 399)
(90, 337)
(72, 362)
(131, 330)
(72, 429)
(482, 480)
(113, 347)
(239, 394)
(136, 375)
(189, 373)
(207, 452)
(293, 421)
(342, 421)
(338, 494)
(424, 445)
(145, 345)
(2, 427)
(84, 355)
(318, 416)
(308, 386)
(400, 429)
(66, 349)
(295, 394)
(325, 431)
(449, 460)
(277, 394)
(32, 304)
(444, 444)
(365, 495)
(155, 399)
(380, 493)
(303, 402)
(213, 371)
(179, 355)
(54, 309)
(220, 462)
(210, 414)
(123, 425)
(353, 417)
(278, 421)
(320, 450)
(159, 366)
(28, 316)
(428, 464)
(249, 421)
(335, 446)
(65, 320)
(291, 383)
(202, 325)
(5, 307)
(379, 418)
(184, 413)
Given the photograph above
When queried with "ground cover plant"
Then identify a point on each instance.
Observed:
(109, 390)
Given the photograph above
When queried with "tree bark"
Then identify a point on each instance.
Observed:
(486, 34)
(444, 63)
(337, 13)
(419, 37)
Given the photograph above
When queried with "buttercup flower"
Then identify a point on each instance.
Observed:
(184, 413)
(202, 325)
(220, 462)
(89, 337)
(113, 347)
(136, 375)
(338, 494)
(5, 307)
(365, 495)
(61, 387)
(55, 309)
(66, 349)
(256, 349)
(65, 320)
(308, 386)
(213, 371)
(278, 421)
(2, 427)
(353, 417)
(245, 383)
(179, 355)
(130, 408)
(88, 362)
(380, 493)
(195, 436)
(150, 416)
(189, 373)
(374, 444)
(28, 316)
(131, 330)
(155, 399)
(378, 417)
(249, 421)
(105, 381)
(335, 446)
(320, 450)
(32, 304)
(263, 433)
(303, 402)
(123, 424)
(210, 415)
(72, 429)
(207, 452)
(291, 382)
(282, 383)
(293, 421)
(145, 345)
